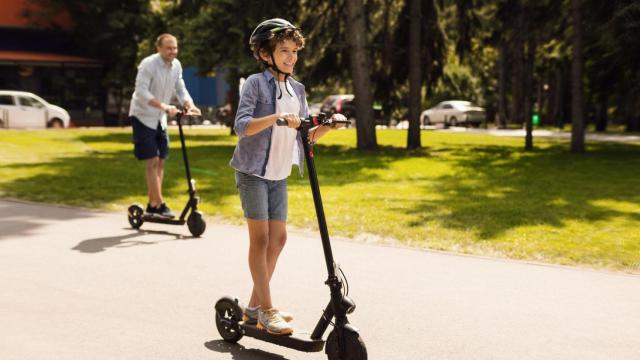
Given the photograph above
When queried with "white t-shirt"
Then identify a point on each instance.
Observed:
(283, 153)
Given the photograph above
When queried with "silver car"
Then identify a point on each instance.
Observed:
(19, 109)
(453, 113)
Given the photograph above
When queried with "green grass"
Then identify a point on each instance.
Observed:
(468, 193)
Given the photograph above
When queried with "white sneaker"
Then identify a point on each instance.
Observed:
(272, 321)
(250, 316)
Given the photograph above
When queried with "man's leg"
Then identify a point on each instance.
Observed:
(154, 172)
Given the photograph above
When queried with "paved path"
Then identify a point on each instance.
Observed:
(80, 284)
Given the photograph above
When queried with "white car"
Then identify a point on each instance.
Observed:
(19, 109)
(453, 113)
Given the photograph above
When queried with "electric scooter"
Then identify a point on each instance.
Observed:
(344, 341)
(195, 221)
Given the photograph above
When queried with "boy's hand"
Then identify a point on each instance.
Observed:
(338, 117)
(293, 120)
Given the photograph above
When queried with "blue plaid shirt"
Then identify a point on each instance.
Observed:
(258, 99)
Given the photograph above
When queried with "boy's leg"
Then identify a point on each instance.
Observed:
(277, 237)
(258, 245)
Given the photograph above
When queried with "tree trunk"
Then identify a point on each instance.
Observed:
(387, 60)
(555, 97)
(233, 79)
(119, 100)
(359, 58)
(527, 93)
(415, 77)
(631, 112)
(577, 103)
(502, 85)
(517, 79)
(601, 112)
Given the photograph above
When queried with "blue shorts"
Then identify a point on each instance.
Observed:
(262, 199)
(149, 143)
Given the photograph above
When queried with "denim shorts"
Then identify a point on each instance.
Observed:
(149, 143)
(262, 199)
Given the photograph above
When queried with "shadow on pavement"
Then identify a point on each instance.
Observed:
(239, 352)
(96, 245)
(20, 219)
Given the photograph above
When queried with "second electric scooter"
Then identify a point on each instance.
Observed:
(344, 341)
(195, 221)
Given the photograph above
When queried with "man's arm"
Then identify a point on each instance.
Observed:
(143, 83)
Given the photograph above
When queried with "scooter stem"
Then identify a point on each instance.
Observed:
(317, 200)
(184, 153)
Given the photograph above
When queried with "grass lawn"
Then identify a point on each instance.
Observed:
(468, 193)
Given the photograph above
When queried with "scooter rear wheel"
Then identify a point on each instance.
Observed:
(196, 223)
(134, 215)
(353, 347)
(228, 315)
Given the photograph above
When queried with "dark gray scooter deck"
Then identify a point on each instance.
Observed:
(299, 340)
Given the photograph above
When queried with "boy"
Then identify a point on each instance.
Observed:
(264, 156)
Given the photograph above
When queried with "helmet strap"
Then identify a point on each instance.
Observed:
(278, 72)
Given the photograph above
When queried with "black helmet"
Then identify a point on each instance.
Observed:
(267, 29)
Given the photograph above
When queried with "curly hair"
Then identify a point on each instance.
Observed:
(269, 45)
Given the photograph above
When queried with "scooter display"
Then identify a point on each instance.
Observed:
(344, 341)
(195, 220)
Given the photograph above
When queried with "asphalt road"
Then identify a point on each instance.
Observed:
(80, 284)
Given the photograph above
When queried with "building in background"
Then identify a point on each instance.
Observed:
(43, 61)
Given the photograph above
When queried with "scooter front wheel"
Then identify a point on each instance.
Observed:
(196, 223)
(134, 215)
(350, 348)
(228, 315)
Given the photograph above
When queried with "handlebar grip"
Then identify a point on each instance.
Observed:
(282, 122)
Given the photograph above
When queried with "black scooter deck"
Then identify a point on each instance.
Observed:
(299, 340)
(162, 220)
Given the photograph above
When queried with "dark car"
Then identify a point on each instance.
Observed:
(344, 104)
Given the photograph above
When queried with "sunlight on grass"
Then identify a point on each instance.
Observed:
(462, 192)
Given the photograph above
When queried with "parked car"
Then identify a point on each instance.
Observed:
(314, 108)
(453, 113)
(19, 109)
(345, 104)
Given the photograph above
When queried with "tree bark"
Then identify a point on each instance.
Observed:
(577, 102)
(360, 67)
(518, 61)
(601, 112)
(502, 85)
(527, 93)
(415, 77)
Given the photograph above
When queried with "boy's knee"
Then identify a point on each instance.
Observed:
(260, 242)
(278, 242)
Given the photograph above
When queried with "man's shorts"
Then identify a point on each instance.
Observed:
(262, 199)
(149, 143)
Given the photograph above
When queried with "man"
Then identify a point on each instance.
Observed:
(159, 78)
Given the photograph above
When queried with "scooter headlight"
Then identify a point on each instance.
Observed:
(348, 305)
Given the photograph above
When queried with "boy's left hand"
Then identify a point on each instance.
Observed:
(338, 117)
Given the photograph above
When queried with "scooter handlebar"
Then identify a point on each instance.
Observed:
(320, 119)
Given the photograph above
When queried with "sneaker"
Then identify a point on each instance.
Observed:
(164, 211)
(151, 210)
(250, 315)
(272, 321)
